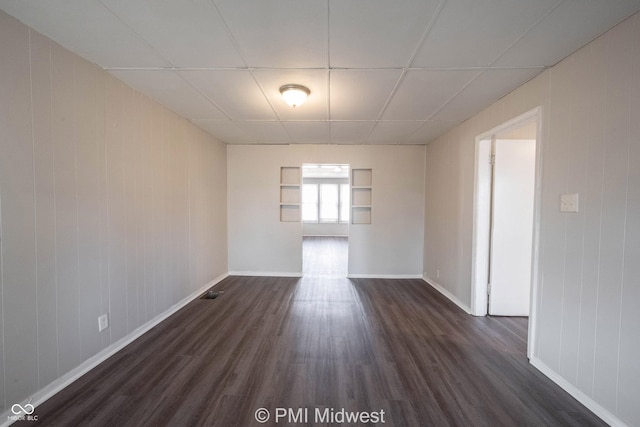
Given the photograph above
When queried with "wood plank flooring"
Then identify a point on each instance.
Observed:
(320, 342)
(325, 256)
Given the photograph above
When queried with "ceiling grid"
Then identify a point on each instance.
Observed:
(379, 72)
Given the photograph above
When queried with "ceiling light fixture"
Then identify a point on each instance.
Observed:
(294, 95)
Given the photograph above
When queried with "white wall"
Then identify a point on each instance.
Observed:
(589, 290)
(109, 203)
(391, 245)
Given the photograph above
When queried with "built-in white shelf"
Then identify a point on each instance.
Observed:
(290, 193)
(290, 175)
(290, 213)
(361, 196)
(361, 215)
(361, 177)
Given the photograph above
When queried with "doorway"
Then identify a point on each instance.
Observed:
(511, 228)
(325, 218)
(505, 237)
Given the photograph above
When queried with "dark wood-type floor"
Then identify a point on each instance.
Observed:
(325, 256)
(320, 342)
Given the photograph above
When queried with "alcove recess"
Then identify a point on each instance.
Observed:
(361, 189)
(290, 195)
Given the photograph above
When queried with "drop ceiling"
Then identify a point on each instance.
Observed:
(379, 71)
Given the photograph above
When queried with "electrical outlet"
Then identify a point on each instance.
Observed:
(103, 322)
(437, 274)
(569, 202)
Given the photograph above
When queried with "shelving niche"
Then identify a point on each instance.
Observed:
(290, 195)
(361, 196)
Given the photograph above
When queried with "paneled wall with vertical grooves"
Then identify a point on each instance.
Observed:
(109, 203)
(589, 287)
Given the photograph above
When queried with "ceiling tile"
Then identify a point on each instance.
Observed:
(235, 92)
(392, 132)
(377, 33)
(316, 105)
(87, 28)
(571, 25)
(170, 90)
(360, 94)
(487, 88)
(272, 132)
(429, 131)
(350, 132)
(196, 37)
(471, 33)
(221, 62)
(278, 33)
(309, 132)
(421, 93)
(225, 131)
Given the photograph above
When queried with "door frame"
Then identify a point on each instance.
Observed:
(481, 216)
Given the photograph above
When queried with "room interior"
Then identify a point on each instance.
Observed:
(143, 149)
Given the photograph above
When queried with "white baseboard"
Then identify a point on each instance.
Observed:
(56, 386)
(435, 285)
(384, 276)
(579, 395)
(265, 274)
(325, 235)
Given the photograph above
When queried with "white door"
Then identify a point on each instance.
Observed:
(512, 227)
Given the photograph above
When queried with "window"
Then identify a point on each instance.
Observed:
(329, 203)
(310, 202)
(325, 203)
(344, 202)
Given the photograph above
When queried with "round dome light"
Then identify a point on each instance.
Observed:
(294, 95)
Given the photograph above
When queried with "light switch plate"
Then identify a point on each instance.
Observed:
(103, 322)
(569, 202)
